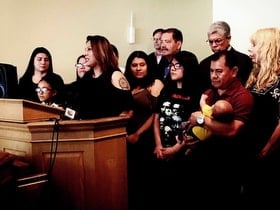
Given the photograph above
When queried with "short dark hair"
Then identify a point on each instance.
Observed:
(81, 56)
(230, 58)
(176, 33)
(158, 30)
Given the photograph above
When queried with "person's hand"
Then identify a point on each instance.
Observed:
(169, 152)
(189, 140)
(133, 138)
(158, 152)
(128, 114)
(188, 151)
(57, 106)
(202, 101)
(192, 119)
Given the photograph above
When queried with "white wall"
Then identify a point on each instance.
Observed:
(62, 27)
(245, 17)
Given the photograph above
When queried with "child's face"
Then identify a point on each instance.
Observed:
(45, 91)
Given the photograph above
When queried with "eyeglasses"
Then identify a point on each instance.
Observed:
(175, 65)
(42, 90)
(216, 41)
(80, 65)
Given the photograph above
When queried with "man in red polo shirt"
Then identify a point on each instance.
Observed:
(221, 157)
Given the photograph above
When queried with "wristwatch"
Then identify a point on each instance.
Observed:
(200, 120)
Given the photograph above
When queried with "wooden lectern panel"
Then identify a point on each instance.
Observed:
(20, 110)
(90, 163)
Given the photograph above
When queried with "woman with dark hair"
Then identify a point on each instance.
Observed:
(71, 89)
(140, 140)
(179, 98)
(81, 68)
(103, 91)
(40, 64)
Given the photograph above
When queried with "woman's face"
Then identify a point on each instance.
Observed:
(90, 58)
(176, 70)
(45, 91)
(41, 62)
(139, 68)
(81, 67)
(254, 52)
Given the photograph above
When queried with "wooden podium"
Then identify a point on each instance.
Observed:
(19, 110)
(89, 157)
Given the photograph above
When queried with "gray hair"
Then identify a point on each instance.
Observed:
(219, 27)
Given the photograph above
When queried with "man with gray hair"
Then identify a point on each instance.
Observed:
(219, 38)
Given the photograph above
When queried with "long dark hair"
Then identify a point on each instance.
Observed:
(146, 81)
(190, 64)
(30, 67)
(77, 61)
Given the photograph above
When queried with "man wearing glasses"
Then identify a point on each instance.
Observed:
(219, 38)
(171, 43)
(157, 60)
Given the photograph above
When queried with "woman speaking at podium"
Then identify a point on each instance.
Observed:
(103, 91)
